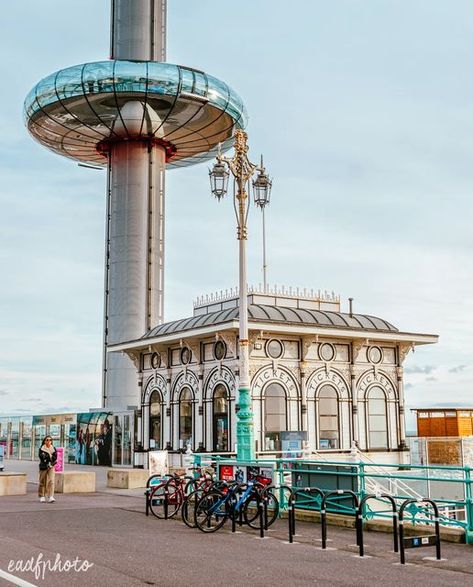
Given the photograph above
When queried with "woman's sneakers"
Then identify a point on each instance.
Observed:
(42, 499)
(51, 500)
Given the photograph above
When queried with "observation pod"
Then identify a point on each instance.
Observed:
(81, 111)
(136, 118)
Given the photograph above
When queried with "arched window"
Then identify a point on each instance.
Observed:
(155, 406)
(185, 416)
(377, 419)
(220, 418)
(329, 431)
(275, 416)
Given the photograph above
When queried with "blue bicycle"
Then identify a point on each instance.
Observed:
(235, 501)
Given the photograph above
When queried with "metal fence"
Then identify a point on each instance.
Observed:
(449, 486)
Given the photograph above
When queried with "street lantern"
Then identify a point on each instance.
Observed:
(262, 188)
(262, 192)
(219, 180)
(242, 170)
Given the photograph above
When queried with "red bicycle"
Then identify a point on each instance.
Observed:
(166, 498)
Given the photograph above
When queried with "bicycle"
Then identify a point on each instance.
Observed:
(166, 498)
(189, 505)
(215, 506)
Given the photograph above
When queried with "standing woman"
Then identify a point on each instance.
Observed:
(47, 459)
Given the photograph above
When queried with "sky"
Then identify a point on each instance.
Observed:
(363, 111)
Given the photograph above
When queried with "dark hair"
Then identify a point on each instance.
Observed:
(45, 438)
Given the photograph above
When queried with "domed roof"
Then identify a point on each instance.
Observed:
(277, 315)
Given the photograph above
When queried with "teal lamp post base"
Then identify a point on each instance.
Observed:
(245, 431)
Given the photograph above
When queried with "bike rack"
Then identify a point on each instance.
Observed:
(291, 506)
(419, 541)
(323, 513)
(260, 506)
(265, 499)
(166, 493)
(359, 514)
(237, 487)
(166, 497)
(149, 489)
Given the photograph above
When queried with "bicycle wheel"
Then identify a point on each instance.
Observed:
(189, 507)
(251, 513)
(156, 500)
(210, 512)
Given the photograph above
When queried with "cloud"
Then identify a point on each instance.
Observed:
(408, 385)
(457, 369)
(431, 379)
(3, 392)
(416, 369)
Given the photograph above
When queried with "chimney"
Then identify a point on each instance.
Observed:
(350, 307)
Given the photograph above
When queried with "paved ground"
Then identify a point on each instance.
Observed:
(129, 549)
(110, 531)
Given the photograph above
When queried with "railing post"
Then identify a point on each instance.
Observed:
(468, 506)
(279, 475)
(362, 482)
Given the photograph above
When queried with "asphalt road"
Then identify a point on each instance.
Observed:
(128, 549)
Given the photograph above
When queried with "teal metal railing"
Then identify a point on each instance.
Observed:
(450, 487)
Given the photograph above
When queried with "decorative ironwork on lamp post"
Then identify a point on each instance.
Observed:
(242, 170)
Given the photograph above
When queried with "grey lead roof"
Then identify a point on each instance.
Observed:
(277, 315)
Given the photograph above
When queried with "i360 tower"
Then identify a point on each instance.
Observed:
(136, 115)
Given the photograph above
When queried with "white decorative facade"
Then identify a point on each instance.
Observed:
(336, 376)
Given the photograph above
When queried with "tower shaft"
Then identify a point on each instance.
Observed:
(134, 268)
(134, 260)
(138, 30)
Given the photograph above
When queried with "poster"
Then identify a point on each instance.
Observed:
(242, 473)
(59, 466)
(2, 452)
(292, 444)
(94, 439)
(158, 462)
(226, 473)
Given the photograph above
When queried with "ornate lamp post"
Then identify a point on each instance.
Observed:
(242, 170)
(262, 191)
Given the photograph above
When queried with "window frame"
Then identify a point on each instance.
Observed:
(368, 415)
(160, 402)
(264, 430)
(318, 416)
